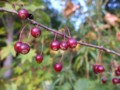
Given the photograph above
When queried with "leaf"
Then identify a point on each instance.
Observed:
(8, 7)
(46, 60)
(70, 9)
(66, 86)
(33, 7)
(81, 84)
(2, 31)
(18, 70)
(6, 51)
(27, 57)
(111, 19)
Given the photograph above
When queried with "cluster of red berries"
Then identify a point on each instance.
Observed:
(55, 45)
(117, 73)
(100, 69)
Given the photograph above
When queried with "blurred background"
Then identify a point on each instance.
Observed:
(91, 21)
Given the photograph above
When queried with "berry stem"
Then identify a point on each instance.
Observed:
(42, 46)
(29, 34)
(100, 56)
(68, 31)
(14, 6)
(21, 32)
(61, 57)
(55, 36)
(64, 34)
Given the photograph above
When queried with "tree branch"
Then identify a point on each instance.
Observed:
(62, 34)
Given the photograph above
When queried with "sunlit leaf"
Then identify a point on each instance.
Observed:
(6, 51)
(28, 57)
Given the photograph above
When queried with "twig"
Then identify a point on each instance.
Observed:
(62, 34)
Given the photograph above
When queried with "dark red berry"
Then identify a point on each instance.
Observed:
(115, 80)
(35, 32)
(63, 45)
(39, 58)
(119, 80)
(117, 72)
(118, 68)
(24, 48)
(58, 67)
(17, 46)
(72, 42)
(23, 14)
(100, 69)
(104, 80)
(55, 45)
(30, 16)
(95, 69)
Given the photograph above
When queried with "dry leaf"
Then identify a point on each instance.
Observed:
(70, 9)
(111, 19)
(91, 36)
(89, 1)
(105, 26)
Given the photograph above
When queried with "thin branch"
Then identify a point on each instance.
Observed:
(62, 34)
(5, 10)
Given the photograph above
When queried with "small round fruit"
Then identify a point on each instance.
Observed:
(104, 80)
(100, 69)
(58, 67)
(55, 45)
(23, 14)
(17, 46)
(63, 45)
(39, 58)
(95, 69)
(24, 48)
(115, 80)
(72, 42)
(30, 16)
(117, 72)
(35, 32)
(118, 68)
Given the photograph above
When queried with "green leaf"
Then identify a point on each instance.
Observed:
(6, 51)
(33, 7)
(66, 86)
(81, 84)
(18, 70)
(27, 57)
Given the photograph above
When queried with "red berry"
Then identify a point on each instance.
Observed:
(24, 48)
(55, 45)
(23, 14)
(35, 32)
(72, 42)
(39, 58)
(115, 80)
(100, 69)
(63, 45)
(118, 68)
(58, 67)
(95, 69)
(17, 46)
(117, 72)
(104, 80)
(119, 80)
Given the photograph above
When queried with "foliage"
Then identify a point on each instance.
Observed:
(77, 73)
